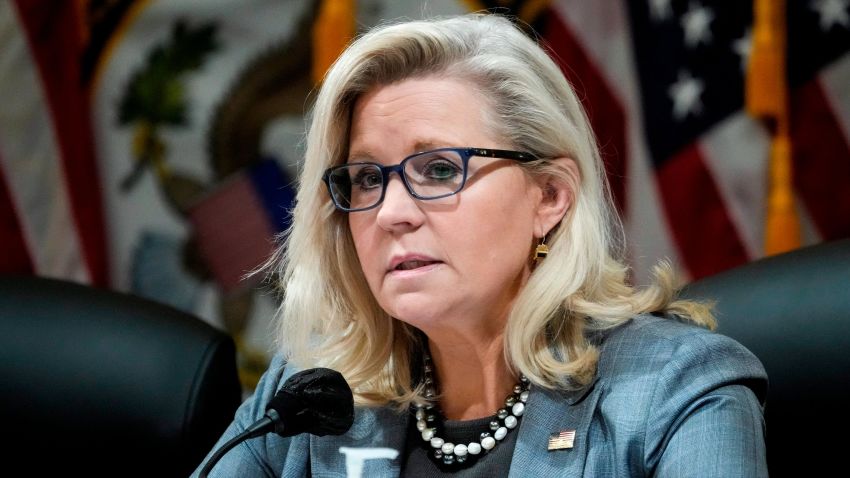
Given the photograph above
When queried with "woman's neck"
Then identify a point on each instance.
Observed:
(472, 376)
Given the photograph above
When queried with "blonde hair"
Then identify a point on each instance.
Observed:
(328, 315)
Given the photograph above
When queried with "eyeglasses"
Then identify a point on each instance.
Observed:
(428, 175)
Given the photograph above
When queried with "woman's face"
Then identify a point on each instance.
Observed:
(446, 264)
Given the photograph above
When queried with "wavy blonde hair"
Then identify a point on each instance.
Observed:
(328, 315)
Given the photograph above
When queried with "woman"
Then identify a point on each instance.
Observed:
(454, 253)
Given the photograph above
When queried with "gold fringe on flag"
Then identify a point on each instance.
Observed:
(766, 85)
(334, 28)
(782, 225)
(767, 99)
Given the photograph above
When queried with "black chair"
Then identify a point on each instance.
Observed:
(793, 312)
(99, 383)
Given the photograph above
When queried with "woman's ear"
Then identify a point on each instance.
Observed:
(559, 193)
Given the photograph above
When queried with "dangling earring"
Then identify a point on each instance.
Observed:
(541, 251)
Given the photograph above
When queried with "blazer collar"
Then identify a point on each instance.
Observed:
(549, 412)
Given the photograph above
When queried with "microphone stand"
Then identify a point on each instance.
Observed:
(316, 401)
(261, 427)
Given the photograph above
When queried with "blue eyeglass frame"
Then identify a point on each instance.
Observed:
(465, 154)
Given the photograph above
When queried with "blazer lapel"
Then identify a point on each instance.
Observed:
(548, 412)
(372, 428)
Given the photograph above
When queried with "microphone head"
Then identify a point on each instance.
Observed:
(316, 401)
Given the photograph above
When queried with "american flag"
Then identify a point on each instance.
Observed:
(663, 83)
(561, 440)
(51, 220)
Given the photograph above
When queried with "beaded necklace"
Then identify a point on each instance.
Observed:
(446, 454)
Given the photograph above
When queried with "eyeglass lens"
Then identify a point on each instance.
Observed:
(428, 175)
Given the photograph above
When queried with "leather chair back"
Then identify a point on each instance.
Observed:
(96, 382)
(793, 312)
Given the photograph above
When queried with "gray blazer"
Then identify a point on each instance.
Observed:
(669, 400)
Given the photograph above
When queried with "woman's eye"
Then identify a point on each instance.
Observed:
(367, 179)
(440, 169)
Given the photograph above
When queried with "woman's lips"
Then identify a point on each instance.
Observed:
(413, 268)
(408, 265)
(411, 264)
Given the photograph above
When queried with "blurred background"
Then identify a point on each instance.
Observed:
(151, 146)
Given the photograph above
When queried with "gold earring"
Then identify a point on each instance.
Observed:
(541, 251)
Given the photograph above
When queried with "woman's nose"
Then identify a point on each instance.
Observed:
(399, 210)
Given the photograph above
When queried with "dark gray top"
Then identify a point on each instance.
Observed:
(495, 463)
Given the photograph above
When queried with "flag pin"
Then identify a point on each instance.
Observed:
(561, 440)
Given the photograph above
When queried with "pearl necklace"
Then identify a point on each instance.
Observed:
(449, 454)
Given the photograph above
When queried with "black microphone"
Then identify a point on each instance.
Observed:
(316, 401)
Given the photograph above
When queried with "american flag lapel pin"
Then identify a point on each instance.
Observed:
(561, 440)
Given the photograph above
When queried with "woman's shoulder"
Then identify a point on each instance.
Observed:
(274, 377)
(655, 327)
(668, 348)
(660, 382)
(657, 334)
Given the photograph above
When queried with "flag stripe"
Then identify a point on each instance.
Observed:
(55, 43)
(735, 151)
(606, 114)
(699, 220)
(31, 161)
(835, 80)
(15, 258)
(823, 181)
